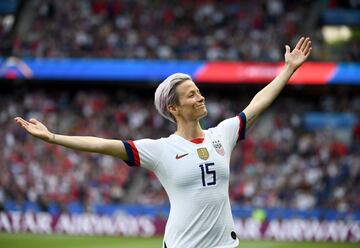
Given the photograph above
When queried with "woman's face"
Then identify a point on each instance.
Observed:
(191, 103)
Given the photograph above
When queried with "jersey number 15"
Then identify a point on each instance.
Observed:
(206, 170)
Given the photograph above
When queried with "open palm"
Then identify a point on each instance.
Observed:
(34, 127)
(299, 54)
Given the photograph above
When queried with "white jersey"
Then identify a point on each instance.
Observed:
(196, 179)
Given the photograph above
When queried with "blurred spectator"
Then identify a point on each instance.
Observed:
(182, 29)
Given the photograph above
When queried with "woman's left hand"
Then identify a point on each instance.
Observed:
(299, 54)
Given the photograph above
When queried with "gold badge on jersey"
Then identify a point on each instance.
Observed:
(203, 153)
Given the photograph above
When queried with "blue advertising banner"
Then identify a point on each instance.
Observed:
(341, 17)
(156, 70)
(94, 69)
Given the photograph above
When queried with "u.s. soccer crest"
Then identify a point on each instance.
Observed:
(218, 147)
(203, 153)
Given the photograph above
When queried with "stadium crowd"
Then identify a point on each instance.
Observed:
(280, 164)
(202, 29)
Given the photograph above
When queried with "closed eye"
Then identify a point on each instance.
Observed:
(192, 93)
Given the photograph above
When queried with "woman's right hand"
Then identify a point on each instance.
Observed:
(35, 128)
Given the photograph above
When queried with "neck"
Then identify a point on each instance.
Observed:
(190, 130)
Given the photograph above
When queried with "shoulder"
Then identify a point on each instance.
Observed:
(226, 124)
(144, 152)
(146, 142)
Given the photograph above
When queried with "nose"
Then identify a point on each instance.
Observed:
(200, 98)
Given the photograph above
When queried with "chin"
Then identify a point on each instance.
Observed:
(204, 113)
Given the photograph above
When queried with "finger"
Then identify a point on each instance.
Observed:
(34, 121)
(24, 124)
(287, 48)
(304, 44)
(21, 121)
(308, 53)
(18, 121)
(300, 42)
(307, 48)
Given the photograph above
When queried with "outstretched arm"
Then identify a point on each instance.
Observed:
(82, 143)
(293, 60)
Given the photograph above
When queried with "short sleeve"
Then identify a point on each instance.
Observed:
(233, 129)
(143, 153)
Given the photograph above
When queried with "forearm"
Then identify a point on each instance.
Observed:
(90, 144)
(82, 143)
(268, 94)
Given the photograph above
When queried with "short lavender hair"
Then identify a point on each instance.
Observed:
(165, 94)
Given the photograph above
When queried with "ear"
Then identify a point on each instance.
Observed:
(172, 109)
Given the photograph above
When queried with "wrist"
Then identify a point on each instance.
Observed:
(290, 67)
(51, 138)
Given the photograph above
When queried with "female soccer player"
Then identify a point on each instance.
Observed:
(192, 164)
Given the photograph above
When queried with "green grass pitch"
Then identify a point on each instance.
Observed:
(59, 241)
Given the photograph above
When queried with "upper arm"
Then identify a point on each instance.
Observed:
(252, 113)
(115, 148)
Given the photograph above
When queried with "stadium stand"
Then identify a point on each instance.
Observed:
(293, 166)
(192, 30)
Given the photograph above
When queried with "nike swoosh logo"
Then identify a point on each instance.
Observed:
(181, 156)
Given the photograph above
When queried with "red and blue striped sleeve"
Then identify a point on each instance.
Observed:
(132, 152)
(242, 126)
